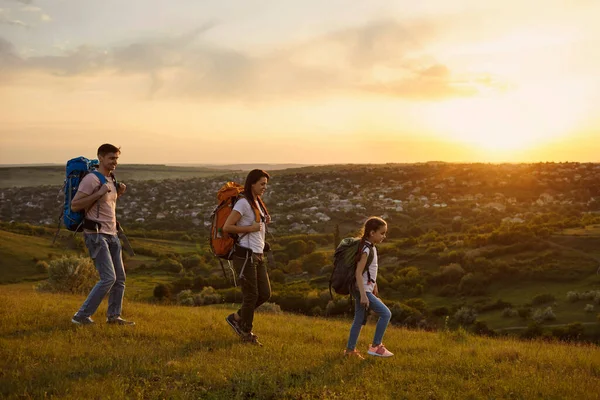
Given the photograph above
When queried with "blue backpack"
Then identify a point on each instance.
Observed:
(77, 168)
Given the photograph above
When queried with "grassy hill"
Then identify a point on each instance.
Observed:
(190, 353)
(19, 253)
(21, 176)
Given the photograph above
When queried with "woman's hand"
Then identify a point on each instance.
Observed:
(256, 226)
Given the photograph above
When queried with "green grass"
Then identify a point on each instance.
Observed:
(166, 246)
(190, 353)
(18, 255)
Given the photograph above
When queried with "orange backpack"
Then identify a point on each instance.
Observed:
(222, 243)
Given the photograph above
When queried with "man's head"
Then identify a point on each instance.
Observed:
(108, 155)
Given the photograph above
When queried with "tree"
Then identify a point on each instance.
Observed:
(296, 249)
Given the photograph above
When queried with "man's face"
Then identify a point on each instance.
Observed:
(109, 161)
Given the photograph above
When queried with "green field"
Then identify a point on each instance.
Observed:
(19, 254)
(190, 353)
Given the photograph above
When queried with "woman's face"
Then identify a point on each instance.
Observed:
(259, 188)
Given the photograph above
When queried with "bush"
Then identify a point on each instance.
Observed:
(589, 308)
(571, 332)
(533, 331)
(546, 314)
(185, 298)
(277, 275)
(440, 311)
(296, 249)
(313, 262)
(543, 299)
(481, 328)
(41, 267)
(451, 273)
(193, 261)
(70, 274)
(472, 284)
(170, 265)
(405, 315)
(465, 316)
(207, 296)
(338, 306)
(269, 308)
(449, 291)
(572, 297)
(524, 312)
(509, 313)
(162, 291)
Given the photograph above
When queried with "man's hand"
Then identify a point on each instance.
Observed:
(121, 189)
(103, 189)
(376, 290)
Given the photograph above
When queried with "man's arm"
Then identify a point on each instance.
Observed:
(82, 201)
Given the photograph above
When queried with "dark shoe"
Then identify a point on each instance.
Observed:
(251, 338)
(119, 321)
(82, 320)
(234, 324)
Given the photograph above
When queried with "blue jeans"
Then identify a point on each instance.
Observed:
(360, 314)
(105, 250)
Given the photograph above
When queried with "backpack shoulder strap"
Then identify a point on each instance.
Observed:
(101, 177)
(369, 261)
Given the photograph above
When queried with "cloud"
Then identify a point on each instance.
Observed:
(383, 58)
(6, 19)
(31, 9)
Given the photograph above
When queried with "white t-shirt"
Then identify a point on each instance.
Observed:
(254, 241)
(372, 268)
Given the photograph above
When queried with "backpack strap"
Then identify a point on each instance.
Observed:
(370, 257)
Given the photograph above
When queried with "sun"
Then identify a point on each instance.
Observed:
(507, 123)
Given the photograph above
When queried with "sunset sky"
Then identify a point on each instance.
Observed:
(282, 81)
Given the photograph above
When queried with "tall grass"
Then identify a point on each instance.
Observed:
(191, 353)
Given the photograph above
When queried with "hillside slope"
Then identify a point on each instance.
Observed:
(178, 352)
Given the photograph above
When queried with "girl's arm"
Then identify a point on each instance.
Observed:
(360, 267)
(231, 227)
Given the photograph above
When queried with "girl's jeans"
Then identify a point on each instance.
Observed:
(359, 316)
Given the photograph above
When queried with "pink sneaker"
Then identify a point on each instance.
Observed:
(354, 354)
(380, 351)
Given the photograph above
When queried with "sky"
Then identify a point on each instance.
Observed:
(310, 82)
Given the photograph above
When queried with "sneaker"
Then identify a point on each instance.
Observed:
(234, 324)
(353, 354)
(119, 321)
(79, 320)
(380, 351)
(251, 338)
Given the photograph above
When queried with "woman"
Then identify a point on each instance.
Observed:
(248, 221)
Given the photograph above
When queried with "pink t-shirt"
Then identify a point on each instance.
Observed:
(105, 209)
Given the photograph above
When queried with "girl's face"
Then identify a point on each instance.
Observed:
(259, 188)
(379, 235)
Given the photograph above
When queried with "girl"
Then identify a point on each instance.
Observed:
(365, 292)
(247, 220)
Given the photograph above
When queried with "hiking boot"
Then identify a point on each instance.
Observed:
(353, 354)
(251, 338)
(380, 351)
(79, 320)
(235, 325)
(119, 321)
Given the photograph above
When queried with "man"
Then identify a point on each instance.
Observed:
(100, 231)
